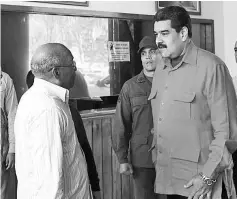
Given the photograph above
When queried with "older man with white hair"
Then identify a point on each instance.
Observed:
(49, 160)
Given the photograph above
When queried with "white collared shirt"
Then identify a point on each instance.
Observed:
(49, 160)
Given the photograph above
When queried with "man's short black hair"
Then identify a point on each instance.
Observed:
(178, 16)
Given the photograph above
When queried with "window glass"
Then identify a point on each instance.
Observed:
(87, 38)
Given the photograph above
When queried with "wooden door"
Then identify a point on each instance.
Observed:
(113, 185)
(203, 34)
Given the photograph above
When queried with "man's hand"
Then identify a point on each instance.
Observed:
(10, 160)
(96, 195)
(200, 190)
(126, 169)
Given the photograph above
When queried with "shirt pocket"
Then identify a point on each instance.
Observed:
(139, 143)
(139, 106)
(139, 100)
(181, 105)
(184, 163)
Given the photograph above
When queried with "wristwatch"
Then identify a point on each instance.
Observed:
(207, 180)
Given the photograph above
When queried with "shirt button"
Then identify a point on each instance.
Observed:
(166, 87)
(162, 103)
(160, 119)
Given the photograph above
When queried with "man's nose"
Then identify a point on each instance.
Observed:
(148, 55)
(158, 39)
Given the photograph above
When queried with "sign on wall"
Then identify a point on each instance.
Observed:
(118, 51)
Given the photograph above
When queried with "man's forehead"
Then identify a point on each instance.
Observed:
(162, 25)
(146, 49)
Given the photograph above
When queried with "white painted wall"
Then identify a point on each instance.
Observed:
(230, 34)
(222, 12)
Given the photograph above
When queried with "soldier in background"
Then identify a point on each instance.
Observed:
(131, 135)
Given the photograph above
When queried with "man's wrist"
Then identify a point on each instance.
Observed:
(207, 180)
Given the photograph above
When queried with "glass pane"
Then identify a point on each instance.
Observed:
(87, 39)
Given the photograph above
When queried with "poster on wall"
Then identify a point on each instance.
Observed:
(119, 51)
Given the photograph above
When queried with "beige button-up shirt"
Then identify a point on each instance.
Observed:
(49, 161)
(9, 104)
(194, 112)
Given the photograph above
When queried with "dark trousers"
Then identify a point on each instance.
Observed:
(176, 197)
(8, 183)
(234, 156)
(223, 196)
(143, 183)
(224, 193)
(4, 181)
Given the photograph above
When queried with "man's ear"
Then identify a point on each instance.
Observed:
(184, 33)
(56, 73)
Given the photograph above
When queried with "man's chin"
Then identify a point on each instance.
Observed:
(164, 54)
(72, 83)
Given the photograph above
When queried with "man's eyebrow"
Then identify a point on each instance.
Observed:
(162, 31)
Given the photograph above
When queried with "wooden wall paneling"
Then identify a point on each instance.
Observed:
(117, 188)
(113, 184)
(131, 188)
(126, 186)
(203, 36)
(196, 34)
(97, 144)
(206, 33)
(107, 158)
(209, 40)
(88, 128)
(117, 179)
(213, 37)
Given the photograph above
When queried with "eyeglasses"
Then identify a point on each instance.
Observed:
(235, 49)
(73, 66)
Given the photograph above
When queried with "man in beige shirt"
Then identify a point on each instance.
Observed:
(8, 111)
(193, 103)
(235, 77)
(235, 154)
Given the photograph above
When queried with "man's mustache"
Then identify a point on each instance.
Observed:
(160, 45)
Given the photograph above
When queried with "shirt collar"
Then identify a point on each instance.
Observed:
(53, 89)
(190, 56)
(141, 77)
